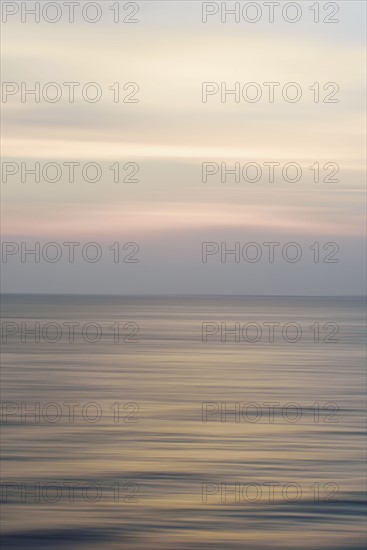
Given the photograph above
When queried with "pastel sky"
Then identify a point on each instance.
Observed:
(170, 132)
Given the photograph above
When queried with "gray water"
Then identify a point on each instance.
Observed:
(157, 476)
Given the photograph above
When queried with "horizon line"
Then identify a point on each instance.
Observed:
(161, 295)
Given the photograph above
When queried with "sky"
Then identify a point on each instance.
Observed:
(168, 134)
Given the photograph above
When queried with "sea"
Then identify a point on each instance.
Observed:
(183, 422)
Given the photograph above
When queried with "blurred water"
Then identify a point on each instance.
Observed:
(159, 451)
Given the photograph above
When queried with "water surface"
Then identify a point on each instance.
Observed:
(159, 452)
